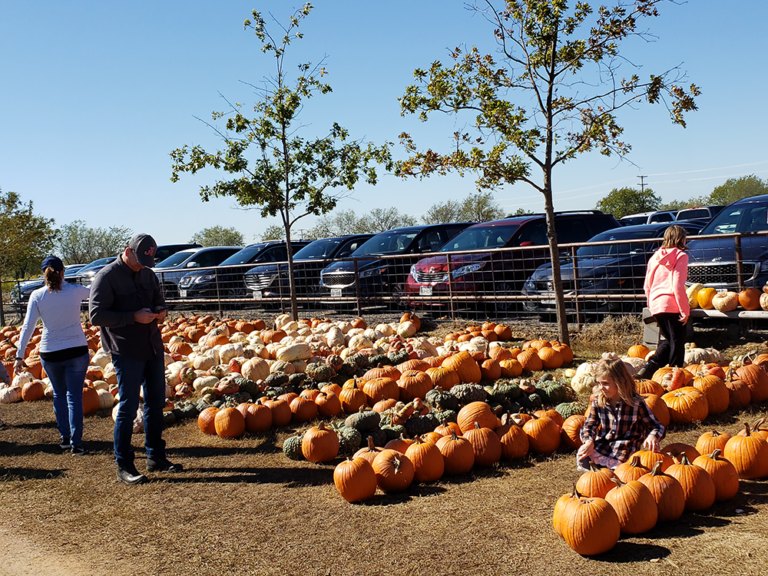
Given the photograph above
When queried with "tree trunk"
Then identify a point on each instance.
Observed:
(554, 255)
(291, 283)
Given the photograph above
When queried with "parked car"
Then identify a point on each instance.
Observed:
(262, 281)
(602, 269)
(20, 292)
(166, 250)
(499, 273)
(385, 277)
(703, 214)
(712, 262)
(648, 218)
(226, 280)
(170, 270)
(87, 273)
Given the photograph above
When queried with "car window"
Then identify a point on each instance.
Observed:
(275, 254)
(175, 259)
(209, 258)
(664, 217)
(350, 247)
(317, 250)
(451, 232)
(570, 230)
(533, 233)
(755, 219)
(482, 236)
(387, 243)
(430, 241)
(726, 222)
(634, 221)
(693, 213)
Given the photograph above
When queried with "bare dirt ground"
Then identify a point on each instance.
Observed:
(241, 507)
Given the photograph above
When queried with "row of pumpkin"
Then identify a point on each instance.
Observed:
(653, 487)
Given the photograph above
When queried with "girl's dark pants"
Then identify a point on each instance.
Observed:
(671, 350)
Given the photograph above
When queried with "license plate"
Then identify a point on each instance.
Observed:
(183, 293)
(257, 295)
(425, 291)
(549, 302)
(722, 289)
(335, 292)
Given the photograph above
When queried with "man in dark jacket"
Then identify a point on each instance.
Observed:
(126, 302)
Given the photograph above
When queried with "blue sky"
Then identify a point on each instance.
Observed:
(95, 95)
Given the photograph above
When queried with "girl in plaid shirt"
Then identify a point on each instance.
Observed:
(619, 420)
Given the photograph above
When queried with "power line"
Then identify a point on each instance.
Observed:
(642, 183)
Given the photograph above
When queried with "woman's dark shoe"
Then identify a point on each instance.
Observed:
(65, 444)
(78, 451)
(130, 476)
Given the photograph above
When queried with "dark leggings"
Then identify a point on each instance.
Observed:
(671, 351)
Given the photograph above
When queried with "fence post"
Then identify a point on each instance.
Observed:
(576, 287)
(2, 311)
(218, 294)
(450, 286)
(280, 287)
(739, 271)
(357, 291)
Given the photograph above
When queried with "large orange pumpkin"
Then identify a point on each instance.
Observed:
(591, 526)
(666, 491)
(686, 405)
(479, 412)
(543, 434)
(635, 506)
(443, 377)
(465, 366)
(355, 479)
(229, 423)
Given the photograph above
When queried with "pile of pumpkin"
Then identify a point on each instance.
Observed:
(710, 298)
(658, 487)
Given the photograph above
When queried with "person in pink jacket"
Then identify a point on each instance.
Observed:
(665, 290)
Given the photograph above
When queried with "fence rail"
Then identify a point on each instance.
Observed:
(598, 278)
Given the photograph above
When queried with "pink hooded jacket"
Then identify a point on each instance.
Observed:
(665, 282)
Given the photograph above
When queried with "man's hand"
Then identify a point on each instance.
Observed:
(18, 366)
(161, 313)
(144, 316)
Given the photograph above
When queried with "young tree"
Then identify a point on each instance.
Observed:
(219, 236)
(623, 201)
(273, 232)
(480, 207)
(382, 219)
(288, 175)
(738, 188)
(27, 238)
(448, 211)
(563, 64)
(80, 244)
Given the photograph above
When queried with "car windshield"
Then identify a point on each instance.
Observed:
(393, 242)
(485, 236)
(634, 221)
(72, 270)
(693, 213)
(244, 256)
(747, 217)
(319, 249)
(175, 259)
(619, 249)
(96, 264)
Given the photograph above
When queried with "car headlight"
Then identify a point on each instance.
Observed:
(530, 285)
(205, 278)
(372, 272)
(413, 271)
(468, 269)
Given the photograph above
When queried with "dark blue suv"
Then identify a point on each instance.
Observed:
(712, 262)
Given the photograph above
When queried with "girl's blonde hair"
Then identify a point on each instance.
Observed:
(617, 371)
(674, 237)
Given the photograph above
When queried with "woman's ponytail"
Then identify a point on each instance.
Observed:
(52, 279)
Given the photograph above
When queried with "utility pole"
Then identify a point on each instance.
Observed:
(642, 183)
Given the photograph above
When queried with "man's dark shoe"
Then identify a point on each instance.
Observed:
(78, 451)
(65, 444)
(163, 466)
(131, 476)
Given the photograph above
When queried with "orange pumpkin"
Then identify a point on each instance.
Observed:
(443, 377)
(686, 405)
(465, 366)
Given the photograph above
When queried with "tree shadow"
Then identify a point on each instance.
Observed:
(287, 477)
(16, 474)
(13, 449)
(687, 526)
(35, 425)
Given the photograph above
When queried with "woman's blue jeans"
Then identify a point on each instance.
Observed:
(131, 375)
(68, 378)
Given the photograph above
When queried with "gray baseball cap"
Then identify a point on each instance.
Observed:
(144, 246)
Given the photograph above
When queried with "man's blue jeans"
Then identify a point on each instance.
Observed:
(131, 375)
(68, 378)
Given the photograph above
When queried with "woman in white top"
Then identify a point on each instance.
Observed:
(63, 348)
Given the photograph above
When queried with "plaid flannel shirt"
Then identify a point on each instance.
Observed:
(620, 431)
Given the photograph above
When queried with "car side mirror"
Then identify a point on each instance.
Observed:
(192, 264)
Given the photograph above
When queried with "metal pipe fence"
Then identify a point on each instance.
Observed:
(598, 279)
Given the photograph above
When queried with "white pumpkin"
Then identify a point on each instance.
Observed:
(255, 339)
(692, 292)
(106, 400)
(48, 390)
(167, 359)
(385, 330)
(204, 361)
(725, 301)
(406, 329)
(695, 355)
(359, 341)
(10, 394)
(296, 351)
(299, 366)
(423, 343)
(238, 338)
(283, 320)
(204, 382)
(101, 385)
(101, 358)
(282, 366)
(335, 337)
(255, 369)
(633, 364)
(584, 379)
(22, 378)
(229, 351)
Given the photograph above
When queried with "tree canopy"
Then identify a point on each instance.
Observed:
(272, 166)
(563, 65)
(737, 188)
(219, 236)
(476, 207)
(77, 243)
(623, 201)
(27, 237)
